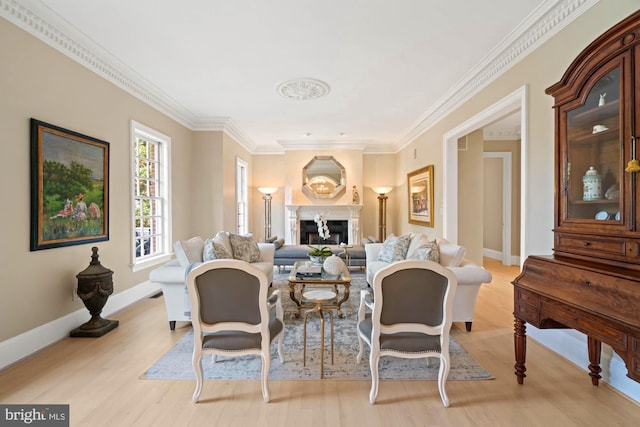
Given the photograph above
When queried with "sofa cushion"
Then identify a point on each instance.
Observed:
(245, 248)
(427, 251)
(394, 248)
(214, 250)
(189, 251)
(451, 255)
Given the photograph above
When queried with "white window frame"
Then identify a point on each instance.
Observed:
(138, 130)
(242, 196)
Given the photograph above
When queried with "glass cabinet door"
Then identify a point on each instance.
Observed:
(594, 157)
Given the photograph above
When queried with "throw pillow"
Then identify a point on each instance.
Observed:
(279, 243)
(451, 255)
(394, 248)
(245, 248)
(213, 250)
(415, 242)
(427, 251)
(189, 251)
(223, 238)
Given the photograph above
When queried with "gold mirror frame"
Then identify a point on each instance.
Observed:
(323, 178)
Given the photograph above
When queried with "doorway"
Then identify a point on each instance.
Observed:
(515, 102)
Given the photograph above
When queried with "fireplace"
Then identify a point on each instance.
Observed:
(338, 233)
(343, 221)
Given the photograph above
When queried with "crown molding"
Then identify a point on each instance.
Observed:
(40, 21)
(543, 23)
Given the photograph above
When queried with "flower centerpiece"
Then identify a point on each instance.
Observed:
(318, 254)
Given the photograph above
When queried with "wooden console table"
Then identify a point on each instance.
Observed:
(599, 300)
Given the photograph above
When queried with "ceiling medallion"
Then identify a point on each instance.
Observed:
(303, 88)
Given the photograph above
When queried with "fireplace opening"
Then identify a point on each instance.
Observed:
(338, 233)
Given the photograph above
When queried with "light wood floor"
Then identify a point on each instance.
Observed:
(99, 378)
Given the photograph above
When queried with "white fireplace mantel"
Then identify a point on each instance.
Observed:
(295, 213)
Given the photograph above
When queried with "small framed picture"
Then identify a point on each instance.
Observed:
(420, 185)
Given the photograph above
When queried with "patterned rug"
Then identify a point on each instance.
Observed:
(176, 364)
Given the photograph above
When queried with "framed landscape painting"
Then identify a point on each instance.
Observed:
(69, 187)
(420, 185)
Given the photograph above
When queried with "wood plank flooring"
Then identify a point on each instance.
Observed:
(100, 379)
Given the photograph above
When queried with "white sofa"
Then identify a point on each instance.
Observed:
(470, 276)
(171, 276)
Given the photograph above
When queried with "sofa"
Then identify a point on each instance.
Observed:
(287, 255)
(189, 253)
(470, 276)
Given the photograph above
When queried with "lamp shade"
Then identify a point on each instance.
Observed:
(267, 190)
(382, 190)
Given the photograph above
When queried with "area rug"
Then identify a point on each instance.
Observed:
(176, 364)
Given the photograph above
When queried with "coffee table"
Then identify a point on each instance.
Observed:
(323, 279)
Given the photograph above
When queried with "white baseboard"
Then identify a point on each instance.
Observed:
(497, 255)
(572, 345)
(21, 346)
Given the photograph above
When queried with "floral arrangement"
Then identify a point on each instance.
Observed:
(323, 231)
(323, 228)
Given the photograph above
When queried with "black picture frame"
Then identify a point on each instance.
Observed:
(69, 187)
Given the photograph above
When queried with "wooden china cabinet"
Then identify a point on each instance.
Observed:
(592, 281)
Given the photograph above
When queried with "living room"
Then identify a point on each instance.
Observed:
(38, 303)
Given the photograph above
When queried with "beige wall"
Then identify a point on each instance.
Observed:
(230, 153)
(470, 196)
(37, 81)
(207, 187)
(512, 147)
(379, 171)
(492, 204)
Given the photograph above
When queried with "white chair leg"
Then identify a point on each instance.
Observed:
(197, 368)
(373, 362)
(442, 379)
(266, 363)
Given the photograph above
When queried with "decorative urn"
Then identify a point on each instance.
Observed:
(333, 265)
(95, 284)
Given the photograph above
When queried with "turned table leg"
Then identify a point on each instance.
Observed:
(594, 346)
(520, 342)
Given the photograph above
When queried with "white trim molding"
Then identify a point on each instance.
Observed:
(24, 345)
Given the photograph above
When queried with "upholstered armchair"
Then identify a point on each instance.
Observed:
(411, 312)
(231, 315)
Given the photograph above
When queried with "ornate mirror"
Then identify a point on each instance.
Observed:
(323, 178)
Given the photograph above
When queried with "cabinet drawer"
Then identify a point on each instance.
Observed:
(593, 325)
(591, 246)
(603, 294)
(525, 306)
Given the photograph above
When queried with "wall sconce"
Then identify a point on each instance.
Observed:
(267, 191)
(382, 213)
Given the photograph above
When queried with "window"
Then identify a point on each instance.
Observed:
(150, 196)
(241, 197)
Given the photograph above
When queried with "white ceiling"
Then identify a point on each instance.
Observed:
(392, 66)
